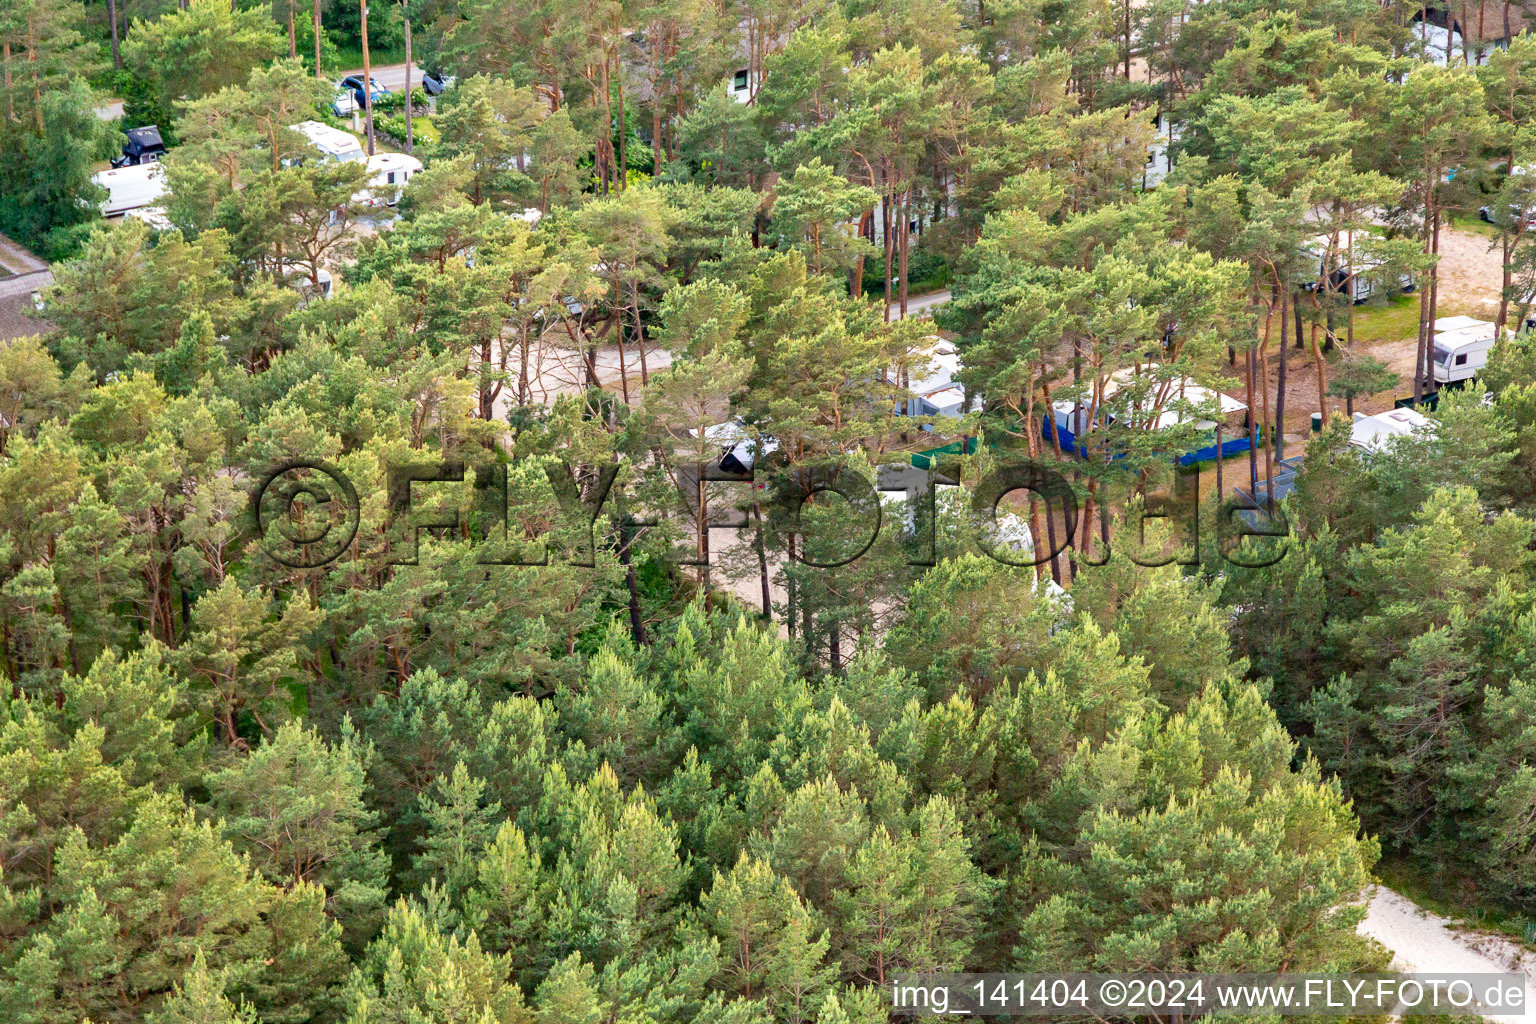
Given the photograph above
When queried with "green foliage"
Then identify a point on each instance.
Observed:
(528, 760)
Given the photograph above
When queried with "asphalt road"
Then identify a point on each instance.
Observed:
(390, 76)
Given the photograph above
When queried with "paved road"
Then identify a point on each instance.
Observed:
(922, 305)
(390, 76)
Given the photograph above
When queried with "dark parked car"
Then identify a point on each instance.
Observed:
(144, 146)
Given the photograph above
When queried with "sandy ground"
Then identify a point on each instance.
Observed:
(1424, 942)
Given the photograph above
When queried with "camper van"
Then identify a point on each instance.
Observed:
(1356, 274)
(129, 188)
(1372, 433)
(1462, 344)
(387, 175)
(333, 143)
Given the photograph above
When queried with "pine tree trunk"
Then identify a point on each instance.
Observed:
(906, 242)
(10, 99)
(1253, 455)
(410, 137)
(1279, 427)
(318, 72)
(293, 38)
(645, 373)
(1322, 375)
(117, 58)
(367, 77)
(1434, 298)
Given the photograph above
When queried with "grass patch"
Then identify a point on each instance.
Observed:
(1396, 320)
(1474, 224)
(1455, 898)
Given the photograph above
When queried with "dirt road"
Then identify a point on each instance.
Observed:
(1424, 942)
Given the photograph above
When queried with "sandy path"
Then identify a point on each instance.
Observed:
(1471, 274)
(1424, 942)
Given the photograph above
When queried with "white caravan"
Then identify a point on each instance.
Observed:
(129, 188)
(1462, 344)
(387, 175)
(333, 143)
(1372, 433)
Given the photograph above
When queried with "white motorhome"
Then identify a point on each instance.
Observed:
(129, 188)
(387, 175)
(1462, 344)
(333, 143)
(1372, 433)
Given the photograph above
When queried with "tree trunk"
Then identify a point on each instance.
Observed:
(367, 76)
(1279, 426)
(762, 563)
(623, 170)
(1434, 298)
(117, 59)
(293, 38)
(636, 623)
(645, 373)
(1219, 489)
(885, 222)
(1322, 375)
(1253, 455)
(410, 139)
(906, 242)
(318, 72)
(1425, 316)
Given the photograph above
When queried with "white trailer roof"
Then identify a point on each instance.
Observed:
(1459, 323)
(333, 142)
(1453, 340)
(1373, 432)
(382, 163)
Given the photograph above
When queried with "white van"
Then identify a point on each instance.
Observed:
(1462, 344)
(387, 175)
(333, 143)
(129, 188)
